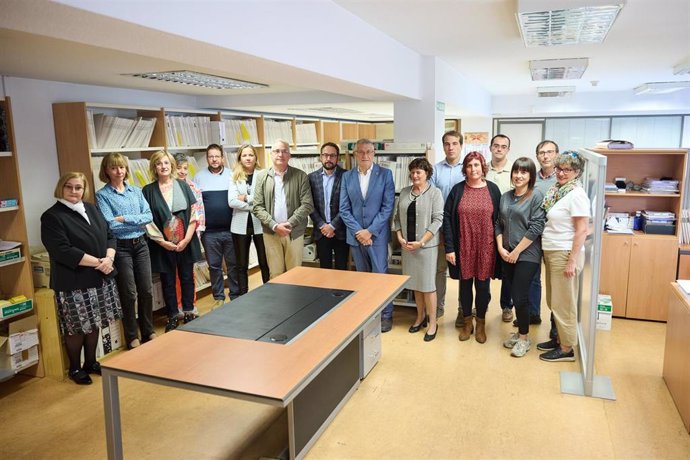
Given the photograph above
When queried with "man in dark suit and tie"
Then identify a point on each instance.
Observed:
(329, 229)
(366, 205)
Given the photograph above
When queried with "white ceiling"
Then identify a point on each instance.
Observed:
(479, 38)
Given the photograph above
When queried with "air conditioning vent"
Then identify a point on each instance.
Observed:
(555, 91)
(558, 69)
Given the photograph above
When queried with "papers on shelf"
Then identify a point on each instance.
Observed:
(685, 226)
(110, 132)
(188, 131)
(654, 185)
(619, 222)
(614, 144)
(7, 245)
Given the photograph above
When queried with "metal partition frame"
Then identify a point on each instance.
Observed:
(586, 383)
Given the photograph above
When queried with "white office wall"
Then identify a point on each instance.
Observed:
(576, 133)
(685, 143)
(648, 132)
(32, 113)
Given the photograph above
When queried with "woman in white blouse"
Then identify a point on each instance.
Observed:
(245, 226)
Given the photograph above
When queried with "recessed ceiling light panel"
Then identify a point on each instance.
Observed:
(553, 23)
(202, 80)
(555, 91)
(558, 69)
(663, 87)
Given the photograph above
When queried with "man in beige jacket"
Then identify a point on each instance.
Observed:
(283, 202)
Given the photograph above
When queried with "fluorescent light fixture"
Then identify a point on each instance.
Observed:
(683, 68)
(558, 69)
(555, 91)
(662, 87)
(188, 77)
(566, 22)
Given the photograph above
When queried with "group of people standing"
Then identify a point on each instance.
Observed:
(477, 220)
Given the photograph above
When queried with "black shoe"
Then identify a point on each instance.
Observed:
(80, 377)
(558, 355)
(94, 368)
(386, 324)
(550, 345)
(414, 328)
(429, 337)
(189, 317)
(172, 324)
(533, 319)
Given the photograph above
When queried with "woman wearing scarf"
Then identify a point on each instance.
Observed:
(82, 252)
(567, 210)
(173, 243)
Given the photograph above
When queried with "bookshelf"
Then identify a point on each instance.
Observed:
(15, 275)
(637, 269)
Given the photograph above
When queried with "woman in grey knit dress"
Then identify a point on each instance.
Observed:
(418, 218)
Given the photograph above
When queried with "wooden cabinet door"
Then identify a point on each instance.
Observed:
(613, 278)
(652, 269)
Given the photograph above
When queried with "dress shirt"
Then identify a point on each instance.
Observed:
(500, 177)
(280, 211)
(130, 204)
(445, 176)
(328, 181)
(364, 178)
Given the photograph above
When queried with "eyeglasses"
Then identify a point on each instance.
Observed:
(365, 152)
(564, 170)
(546, 152)
(281, 151)
(329, 155)
(74, 188)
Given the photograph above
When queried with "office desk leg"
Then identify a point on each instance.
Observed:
(310, 412)
(111, 408)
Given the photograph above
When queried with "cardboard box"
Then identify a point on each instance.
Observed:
(40, 267)
(16, 308)
(19, 346)
(21, 335)
(10, 255)
(604, 312)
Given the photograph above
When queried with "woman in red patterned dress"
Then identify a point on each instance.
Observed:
(470, 213)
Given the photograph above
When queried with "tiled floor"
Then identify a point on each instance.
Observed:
(443, 399)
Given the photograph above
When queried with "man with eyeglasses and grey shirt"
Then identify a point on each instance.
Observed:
(283, 202)
(447, 173)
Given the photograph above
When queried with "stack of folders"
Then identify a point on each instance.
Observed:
(275, 130)
(110, 132)
(234, 132)
(614, 144)
(685, 226)
(664, 186)
(306, 164)
(659, 222)
(188, 131)
(306, 133)
(619, 222)
(399, 167)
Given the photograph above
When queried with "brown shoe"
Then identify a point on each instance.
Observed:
(459, 321)
(466, 330)
(480, 333)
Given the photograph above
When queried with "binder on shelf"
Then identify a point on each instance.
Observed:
(614, 144)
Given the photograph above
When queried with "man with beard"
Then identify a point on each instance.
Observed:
(217, 239)
(329, 229)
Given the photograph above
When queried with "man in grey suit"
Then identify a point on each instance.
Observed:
(329, 229)
(366, 205)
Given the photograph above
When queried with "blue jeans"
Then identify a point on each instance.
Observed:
(535, 294)
(134, 284)
(219, 246)
(373, 259)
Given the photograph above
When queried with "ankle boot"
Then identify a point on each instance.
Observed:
(467, 329)
(460, 321)
(480, 335)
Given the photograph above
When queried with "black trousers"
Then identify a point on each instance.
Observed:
(242, 244)
(325, 249)
(520, 276)
(483, 296)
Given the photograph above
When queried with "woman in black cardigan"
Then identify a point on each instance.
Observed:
(469, 217)
(82, 251)
(173, 244)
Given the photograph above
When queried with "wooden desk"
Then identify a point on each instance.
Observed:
(312, 376)
(676, 363)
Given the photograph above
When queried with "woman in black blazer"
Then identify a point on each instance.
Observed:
(81, 251)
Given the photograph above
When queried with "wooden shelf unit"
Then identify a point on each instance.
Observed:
(637, 269)
(15, 276)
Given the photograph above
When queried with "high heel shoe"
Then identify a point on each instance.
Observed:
(417, 328)
(429, 337)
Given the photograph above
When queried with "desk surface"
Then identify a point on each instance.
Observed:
(260, 369)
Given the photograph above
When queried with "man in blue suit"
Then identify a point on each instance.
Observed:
(367, 195)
